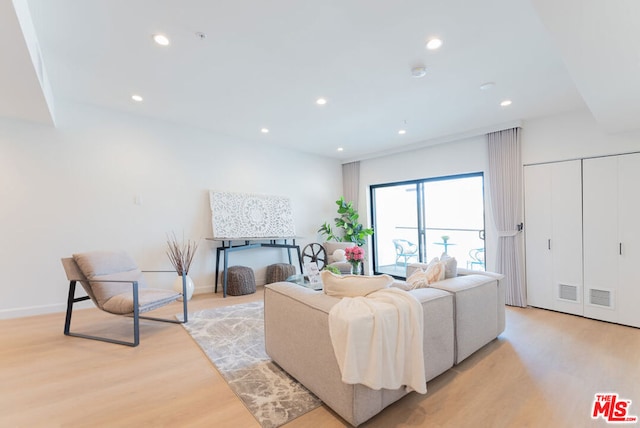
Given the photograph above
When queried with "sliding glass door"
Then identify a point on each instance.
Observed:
(395, 210)
(422, 219)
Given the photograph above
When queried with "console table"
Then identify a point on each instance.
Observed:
(228, 246)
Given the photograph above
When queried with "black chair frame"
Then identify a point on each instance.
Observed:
(136, 310)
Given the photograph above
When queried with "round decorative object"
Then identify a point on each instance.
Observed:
(314, 253)
(177, 286)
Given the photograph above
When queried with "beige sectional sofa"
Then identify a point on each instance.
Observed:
(461, 315)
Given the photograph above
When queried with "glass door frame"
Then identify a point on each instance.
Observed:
(420, 212)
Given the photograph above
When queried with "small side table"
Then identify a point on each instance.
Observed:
(445, 244)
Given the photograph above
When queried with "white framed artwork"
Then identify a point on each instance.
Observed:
(247, 216)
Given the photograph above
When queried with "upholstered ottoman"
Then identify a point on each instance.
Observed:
(279, 272)
(240, 281)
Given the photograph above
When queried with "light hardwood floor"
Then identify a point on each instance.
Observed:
(543, 371)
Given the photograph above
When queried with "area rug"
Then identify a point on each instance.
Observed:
(233, 339)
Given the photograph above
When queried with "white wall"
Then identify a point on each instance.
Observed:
(572, 136)
(73, 188)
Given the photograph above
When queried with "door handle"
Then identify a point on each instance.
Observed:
(548, 244)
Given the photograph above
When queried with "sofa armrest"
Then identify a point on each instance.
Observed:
(494, 275)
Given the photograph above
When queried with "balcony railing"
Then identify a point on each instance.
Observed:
(466, 245)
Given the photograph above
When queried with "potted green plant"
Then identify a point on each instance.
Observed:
(352, 229)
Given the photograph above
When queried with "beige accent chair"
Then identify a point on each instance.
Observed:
(330, 247)
(114, 283)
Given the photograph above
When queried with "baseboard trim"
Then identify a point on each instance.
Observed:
(28, 311)
(35, 310)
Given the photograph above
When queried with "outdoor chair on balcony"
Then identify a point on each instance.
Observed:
(476, 258)
(115, 285)
(405, 250)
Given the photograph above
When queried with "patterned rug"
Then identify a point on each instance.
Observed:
(233, 339)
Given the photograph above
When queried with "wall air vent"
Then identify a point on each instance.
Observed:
(600, 298)
(568, 292)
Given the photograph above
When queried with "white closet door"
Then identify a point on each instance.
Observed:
(566, 236)
(600, 218)
(537, 208)
(629, 237)
(553, 232)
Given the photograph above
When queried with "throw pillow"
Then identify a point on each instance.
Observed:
(353, 285)
(433, 273)
(338, 256)
(418, 279)
(437, 272)
(450, 265)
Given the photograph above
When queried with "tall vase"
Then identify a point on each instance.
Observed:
(177, 286)
(355, 268)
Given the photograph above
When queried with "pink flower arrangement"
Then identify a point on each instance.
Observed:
(354, 254)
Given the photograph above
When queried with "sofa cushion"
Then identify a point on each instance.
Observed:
(343, 267)
(148, 300)
(109, 266)
(353, 285)
(94, 263)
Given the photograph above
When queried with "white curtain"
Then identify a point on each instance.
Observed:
(351, 182)
(505, 180)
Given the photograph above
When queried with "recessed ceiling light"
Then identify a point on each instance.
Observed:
(137, 98)
(321, 101)
(434, 44)
(505, 103)
(265, 130)
(402, 131)
(161, 39)
(486, 86)
(340, 149)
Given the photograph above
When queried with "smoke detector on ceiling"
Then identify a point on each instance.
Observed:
(418, 72)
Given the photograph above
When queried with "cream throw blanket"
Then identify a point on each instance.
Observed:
(378, 340)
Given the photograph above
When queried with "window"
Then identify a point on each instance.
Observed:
(419, 220)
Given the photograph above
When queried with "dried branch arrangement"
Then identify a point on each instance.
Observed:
(181, 254)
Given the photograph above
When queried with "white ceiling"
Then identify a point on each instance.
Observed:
(263, 64)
